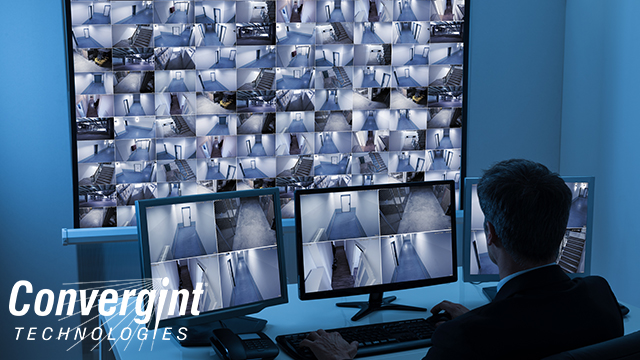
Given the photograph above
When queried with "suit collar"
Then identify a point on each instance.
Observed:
(540, 277)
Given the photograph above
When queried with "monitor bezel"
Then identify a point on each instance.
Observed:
(224, 313)
(466, 233)
(303, 295)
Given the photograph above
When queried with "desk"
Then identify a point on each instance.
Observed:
(299, 316)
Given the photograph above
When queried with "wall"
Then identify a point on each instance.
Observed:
(205, 56)
(284, 120)
(163, 79)
(387, 260)
(226, 284)
(247, 75)
(147, 102)
(372, 255)
(286, 163)
(118, 33)
(227, 10)
(106, 106)
(268, 143)
(99, 33)
(226, 77)
(263, 265)
(248, 55)
(477, 220)
(599, 131)
(439, 52)
(434, 250)
(402, 53)
(345, 99)
(123, 149)
(418, 73)
(162, 223)
(509, 124)
(266, 164)
(162, 104)
(319, 256)
(203, 216)
(212, 268)
(347, 10)
(31, 234)
(308, 13)
(418, 117)
(319, 210)
(438, 72)
(161, 11)
(169, 270)
(366, 204)
(119, 13)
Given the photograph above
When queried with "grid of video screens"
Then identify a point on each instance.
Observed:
(362, 238)
(184, 97)
(571, 256)
(214, 243)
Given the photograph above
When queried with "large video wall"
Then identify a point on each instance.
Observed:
(176, 98)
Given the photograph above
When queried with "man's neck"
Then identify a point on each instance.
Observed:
(507, 266)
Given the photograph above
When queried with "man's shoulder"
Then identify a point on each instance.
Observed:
(592, 279)
(523, 317)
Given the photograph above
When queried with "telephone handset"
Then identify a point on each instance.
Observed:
(231, 346)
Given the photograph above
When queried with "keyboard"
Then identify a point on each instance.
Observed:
(373, 339)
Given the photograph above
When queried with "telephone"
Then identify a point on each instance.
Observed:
(230, 346)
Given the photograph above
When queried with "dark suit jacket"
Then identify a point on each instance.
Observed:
(536, 314)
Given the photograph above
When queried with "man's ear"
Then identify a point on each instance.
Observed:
(492, 237)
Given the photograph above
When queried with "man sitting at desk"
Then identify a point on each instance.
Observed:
(538, 310)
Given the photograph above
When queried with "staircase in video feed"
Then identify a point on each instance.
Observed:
(185, 170)
(104, 174)
(454, 77)
(182, 126)
(142, 36)
(266, 80)
(343, 78)
(386, 48)
(303, 166)
(340, 34)
(378, 163)
(571, 254)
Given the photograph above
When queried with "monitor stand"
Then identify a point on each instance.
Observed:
(198, 335)
(376, 302)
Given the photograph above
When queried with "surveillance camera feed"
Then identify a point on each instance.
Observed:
(188, 97)
(227, 245)
(367, 237)
(571, 256)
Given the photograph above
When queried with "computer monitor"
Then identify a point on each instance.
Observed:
(229, 244)
(575, 251)
(375, 238)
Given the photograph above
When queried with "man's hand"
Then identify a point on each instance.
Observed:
(330, 346)
(453, 309)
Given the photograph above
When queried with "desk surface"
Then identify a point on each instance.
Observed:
(300, 316)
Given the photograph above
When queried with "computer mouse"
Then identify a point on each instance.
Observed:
(439, 317)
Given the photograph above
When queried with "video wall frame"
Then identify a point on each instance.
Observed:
(172, 98)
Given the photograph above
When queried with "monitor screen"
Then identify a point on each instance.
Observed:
(227, 244)
(575, 251)
(198, 96)
(371, 239)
